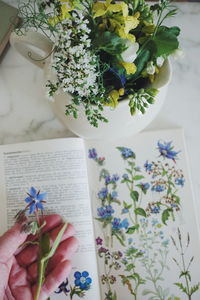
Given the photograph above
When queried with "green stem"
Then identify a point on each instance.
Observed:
(40, 279)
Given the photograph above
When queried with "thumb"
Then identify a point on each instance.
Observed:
(10, 242)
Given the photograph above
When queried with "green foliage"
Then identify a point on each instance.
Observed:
(166, 215)
(133, 229)
(134, 195)
(109, 42)
(166, 41)
(140, 211)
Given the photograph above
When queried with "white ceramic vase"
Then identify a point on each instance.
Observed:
(36, 47)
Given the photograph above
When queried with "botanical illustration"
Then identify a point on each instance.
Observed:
(134, 246)
(82, 283)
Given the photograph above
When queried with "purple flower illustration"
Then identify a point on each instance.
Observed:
(92, 153)
(63, 288)
(102, 194)
(99, 241)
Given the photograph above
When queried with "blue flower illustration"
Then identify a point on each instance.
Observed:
(180, 181)
(125, 210)
(35, 200)
(125, 224)
(92, 153)
(166, 150)
(155, 210)
(107, 179)
(115, 178)
(148, 166)
(114, 195)
(126, 152)
(144, 186)
(102, 194)
(125, 176)
(82, 280)
(117, 224)
(158, 188)
(63, 288)
(105, 212)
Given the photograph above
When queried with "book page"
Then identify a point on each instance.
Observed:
(147, 239)
(57, 167)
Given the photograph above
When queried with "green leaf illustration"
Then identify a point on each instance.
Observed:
(134, 195)
(140, 211)
(166, 215)
(132, 229)
(138, 177)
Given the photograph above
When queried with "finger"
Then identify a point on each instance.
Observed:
(10, 241)
(18, 284)
(52, 221)
(29, 255)
(64, 252)
(54, 279)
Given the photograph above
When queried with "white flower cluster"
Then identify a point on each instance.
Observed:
(74, 63)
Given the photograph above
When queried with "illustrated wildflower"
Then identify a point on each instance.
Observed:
(103, 193)
(92, 153)
(166, 150)
(63, 288)
(82, 280)
(158, 188)
(148, 166)
(105, 212)
(126, 152)
(99, 241)
(180, 181)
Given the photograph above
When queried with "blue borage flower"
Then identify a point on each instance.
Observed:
(180, 181)
(166, 150)
(35, 200)
(125, 176)
(63, 288)
(82, 280)
(105, 212)
(117, 224)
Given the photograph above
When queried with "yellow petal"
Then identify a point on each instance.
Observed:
(113, 97)
(114, 7)
(99, 9)
(130, 23)
(129, 67)
(65, 11)
(121, 92)
(53, 21)
(124, 9)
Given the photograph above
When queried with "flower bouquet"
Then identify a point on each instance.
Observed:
(104, 52)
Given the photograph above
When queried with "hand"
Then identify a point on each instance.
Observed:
(18, 268)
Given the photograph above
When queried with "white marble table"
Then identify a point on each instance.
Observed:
(25, 114)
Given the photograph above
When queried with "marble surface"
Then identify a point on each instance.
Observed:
(25, 114)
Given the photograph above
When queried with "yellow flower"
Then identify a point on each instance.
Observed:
(113, 97)
(100, 8)
(129, 67)
(121, 92)
(65, 9)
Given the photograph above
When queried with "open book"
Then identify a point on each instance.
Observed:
(131, 203)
